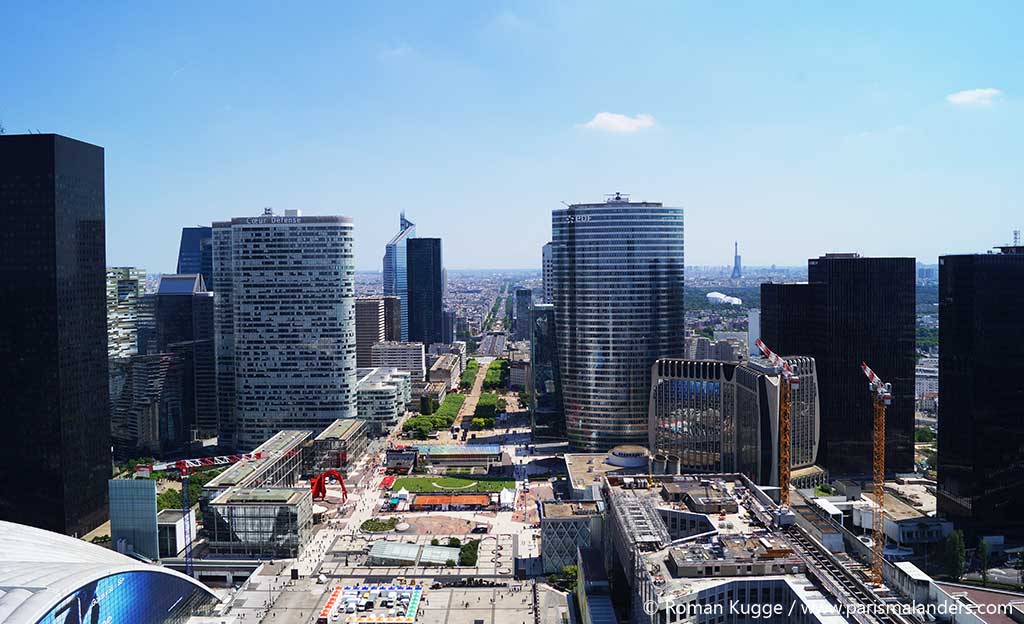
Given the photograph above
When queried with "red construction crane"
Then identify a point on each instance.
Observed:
(319, 485)
(881, 396)
(790, 382)
(185, 467)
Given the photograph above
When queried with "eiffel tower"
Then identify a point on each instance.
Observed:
(737, 269)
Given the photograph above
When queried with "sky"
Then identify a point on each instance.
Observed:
(795, 128)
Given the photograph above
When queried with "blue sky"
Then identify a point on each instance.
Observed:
(797, 128)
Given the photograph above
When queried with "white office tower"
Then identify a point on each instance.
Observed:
(753, 332)
(285, 323)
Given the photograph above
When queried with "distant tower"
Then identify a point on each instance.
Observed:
(737, 268)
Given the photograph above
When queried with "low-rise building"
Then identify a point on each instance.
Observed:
(173, 530)
(337, 446)
(519, 374)
(566, 527)
(263, 522)
(406, 356)
(469, 455)
(446, 370)
(382, 395)
(399, 554)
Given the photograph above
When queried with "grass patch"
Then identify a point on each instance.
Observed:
(374, 525)
(469, 375)
(419, 485)
(443, 418)
(497, 375)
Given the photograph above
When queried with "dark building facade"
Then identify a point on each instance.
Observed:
(392, 319)
(55, 452)
(195, 254)
(369, 328)
(546, 411)
(852, 310)
(426, 288)
(524, 300)
(981, 380)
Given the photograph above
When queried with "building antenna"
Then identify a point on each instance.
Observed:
(1016, 238)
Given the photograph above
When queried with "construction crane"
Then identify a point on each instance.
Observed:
(881, 395)
(790, 382)
(318, 485)
(186, 467)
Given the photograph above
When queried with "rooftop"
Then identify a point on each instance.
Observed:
(569, 509)
(458, 449)
(587, 469)
(262, 496)
(244, 472)
(341, 429)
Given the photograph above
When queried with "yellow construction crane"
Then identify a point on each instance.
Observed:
(790, 381)
(881, 396)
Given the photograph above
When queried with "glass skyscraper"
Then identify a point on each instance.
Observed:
(618, 297)
(426, 290)
(981, 381)
(55, 451)
(396, 279)
(547, 419)
(195, 254)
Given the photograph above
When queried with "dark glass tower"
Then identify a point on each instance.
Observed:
(981, 381)
(55, 450)
(546, 413)
(426, 320)
(195, 254)
(852, 309)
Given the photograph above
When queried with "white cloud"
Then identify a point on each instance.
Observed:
(974, 97)
(614, 122)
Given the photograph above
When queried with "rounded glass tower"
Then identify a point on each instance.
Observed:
(618, 295)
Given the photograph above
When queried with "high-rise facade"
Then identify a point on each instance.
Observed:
(853, 309)
(448, 326)
(981, 374)
(125, 288)
(547, 263)
(392, 318)
(715, 417)
(55, 450)
(546, 413)
(147, 410)
(292, 322)
(524, 300)
(396, 277)
(618, 290)
(425, 301)
(195, 252)
(370, 322)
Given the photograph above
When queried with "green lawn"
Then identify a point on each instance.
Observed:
(452, 484)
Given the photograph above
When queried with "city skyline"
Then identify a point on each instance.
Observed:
(847, 117)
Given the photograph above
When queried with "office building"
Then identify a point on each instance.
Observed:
(547, 267)
(852, 310)
(524, 300)
(392, 318)
(396, 277)
(338, 446)
(370, 327)
(146, 405)
(405, 356)
(566, 527)
(618, 274)
(426, 301)
(546, 412)
(714, 417)
(172, 530)
(981, 375)
(266, 523)
(195, 253)
(56, 579)
(53, 334)
(753, 331)
(125, 288)
(448, 326)
(290, 322)
(383, 396)
(133, 523)
(183, 324)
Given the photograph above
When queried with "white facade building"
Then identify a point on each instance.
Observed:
(407, 356)
(383, 394)
(285, 319)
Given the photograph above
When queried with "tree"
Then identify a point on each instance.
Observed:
(454, 542)
(450, 563)
(955, 555)
(983, 556)
(435, 542)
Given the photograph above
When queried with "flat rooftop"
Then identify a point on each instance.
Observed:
(569, 509)
(341, 429)
(261, 496)
(458, 449)
(279, 444)
(894, 507)
(587, 469)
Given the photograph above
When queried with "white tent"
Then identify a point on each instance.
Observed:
(403, 494)
(507, 498)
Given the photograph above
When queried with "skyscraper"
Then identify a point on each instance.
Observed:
(524, 301)
(981, 377)
(369, 327)
(392, 318)
(852, 310)
(546, 413)
(291, 322)
(195, 253)
(425, 301)
(125, 288)
(546, 279)
(737, 263)
(618, 289)
(55, 449)
(396, 278)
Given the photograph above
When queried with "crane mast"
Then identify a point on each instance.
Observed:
(881, 397)
(790, 381)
